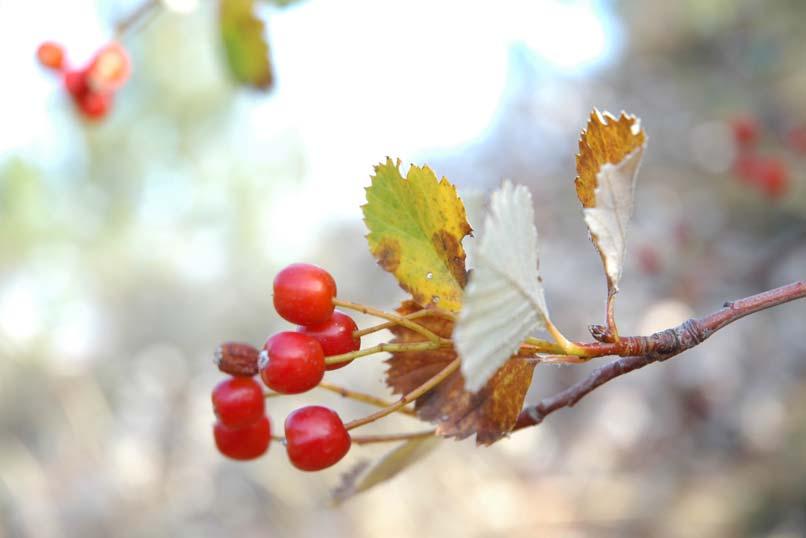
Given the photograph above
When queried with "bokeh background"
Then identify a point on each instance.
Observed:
(130, 248)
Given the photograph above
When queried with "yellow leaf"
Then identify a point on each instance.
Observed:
(610, 152)
(606, 140)
(245, 45)
(416, 226)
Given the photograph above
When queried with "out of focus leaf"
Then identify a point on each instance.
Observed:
(610, 152)
(490, 413)
(504, 300)
(247, 51)
(416, 226)
(364, 477)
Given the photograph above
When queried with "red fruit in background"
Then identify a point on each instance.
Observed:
(772, 176)
(109, 69)
(94, 105)
(245, 443)
(50, 55)
(315, 438)
(238, 401)
(649, 260)
(745, 130)
(335, 336)
(75, 82)
(796, 139)
(303, 294)
(292, 363)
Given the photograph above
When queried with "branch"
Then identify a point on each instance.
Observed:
(660, 347)
(140, 14)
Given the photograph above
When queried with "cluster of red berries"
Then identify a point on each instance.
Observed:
(770, 175)
(93, 86)
(291, 362)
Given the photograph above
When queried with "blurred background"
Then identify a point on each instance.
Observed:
(131, 247)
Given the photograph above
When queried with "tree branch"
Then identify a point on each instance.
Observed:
(659, 347)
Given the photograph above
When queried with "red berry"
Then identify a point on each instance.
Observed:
(110, 68)
(238, 401)
(94, 105)
(50, 55)
(315, 438)
(335, 336)
(245, 443)
(745, 131)
(75, 82)
(292, 363)
(303, 294)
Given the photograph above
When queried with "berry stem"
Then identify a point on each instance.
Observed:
(414, 315)
(399, 320)
(370, 439)
(362, 397)
(139, 14)
(408, 398)
(390, 347)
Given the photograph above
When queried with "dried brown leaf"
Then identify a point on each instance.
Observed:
(490, 413)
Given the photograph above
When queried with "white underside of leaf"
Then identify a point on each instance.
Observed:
(609, 220)
(504, 301)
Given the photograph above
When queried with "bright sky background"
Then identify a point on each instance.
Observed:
(357, 80)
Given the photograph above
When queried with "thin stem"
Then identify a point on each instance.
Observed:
(612, 329)
(389, 347)
(408, 398)
(362, 397)
(566, 346)
(414, 315)
(659, 347)
(400, 320)
(140, 14)
(536, 345)
(370, 439)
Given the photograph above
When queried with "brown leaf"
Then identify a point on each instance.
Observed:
(606, 140)
(490, 413)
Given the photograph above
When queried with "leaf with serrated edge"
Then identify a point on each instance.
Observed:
(416, 226)
(610, 152)
(245, 46)
(609, 220)
(364, 477)
(504, 300)
(490, 413)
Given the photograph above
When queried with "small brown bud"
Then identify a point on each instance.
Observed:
(236, 358)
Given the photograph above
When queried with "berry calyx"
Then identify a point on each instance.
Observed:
(335, 336)
(303, 294)
(238, 401)
(292, 363)
(50, 55)
(237, 359)
(315, 438)
(244, 443)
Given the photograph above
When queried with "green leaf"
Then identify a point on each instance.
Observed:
(247, 51)
(363, 477)
(416, 226)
